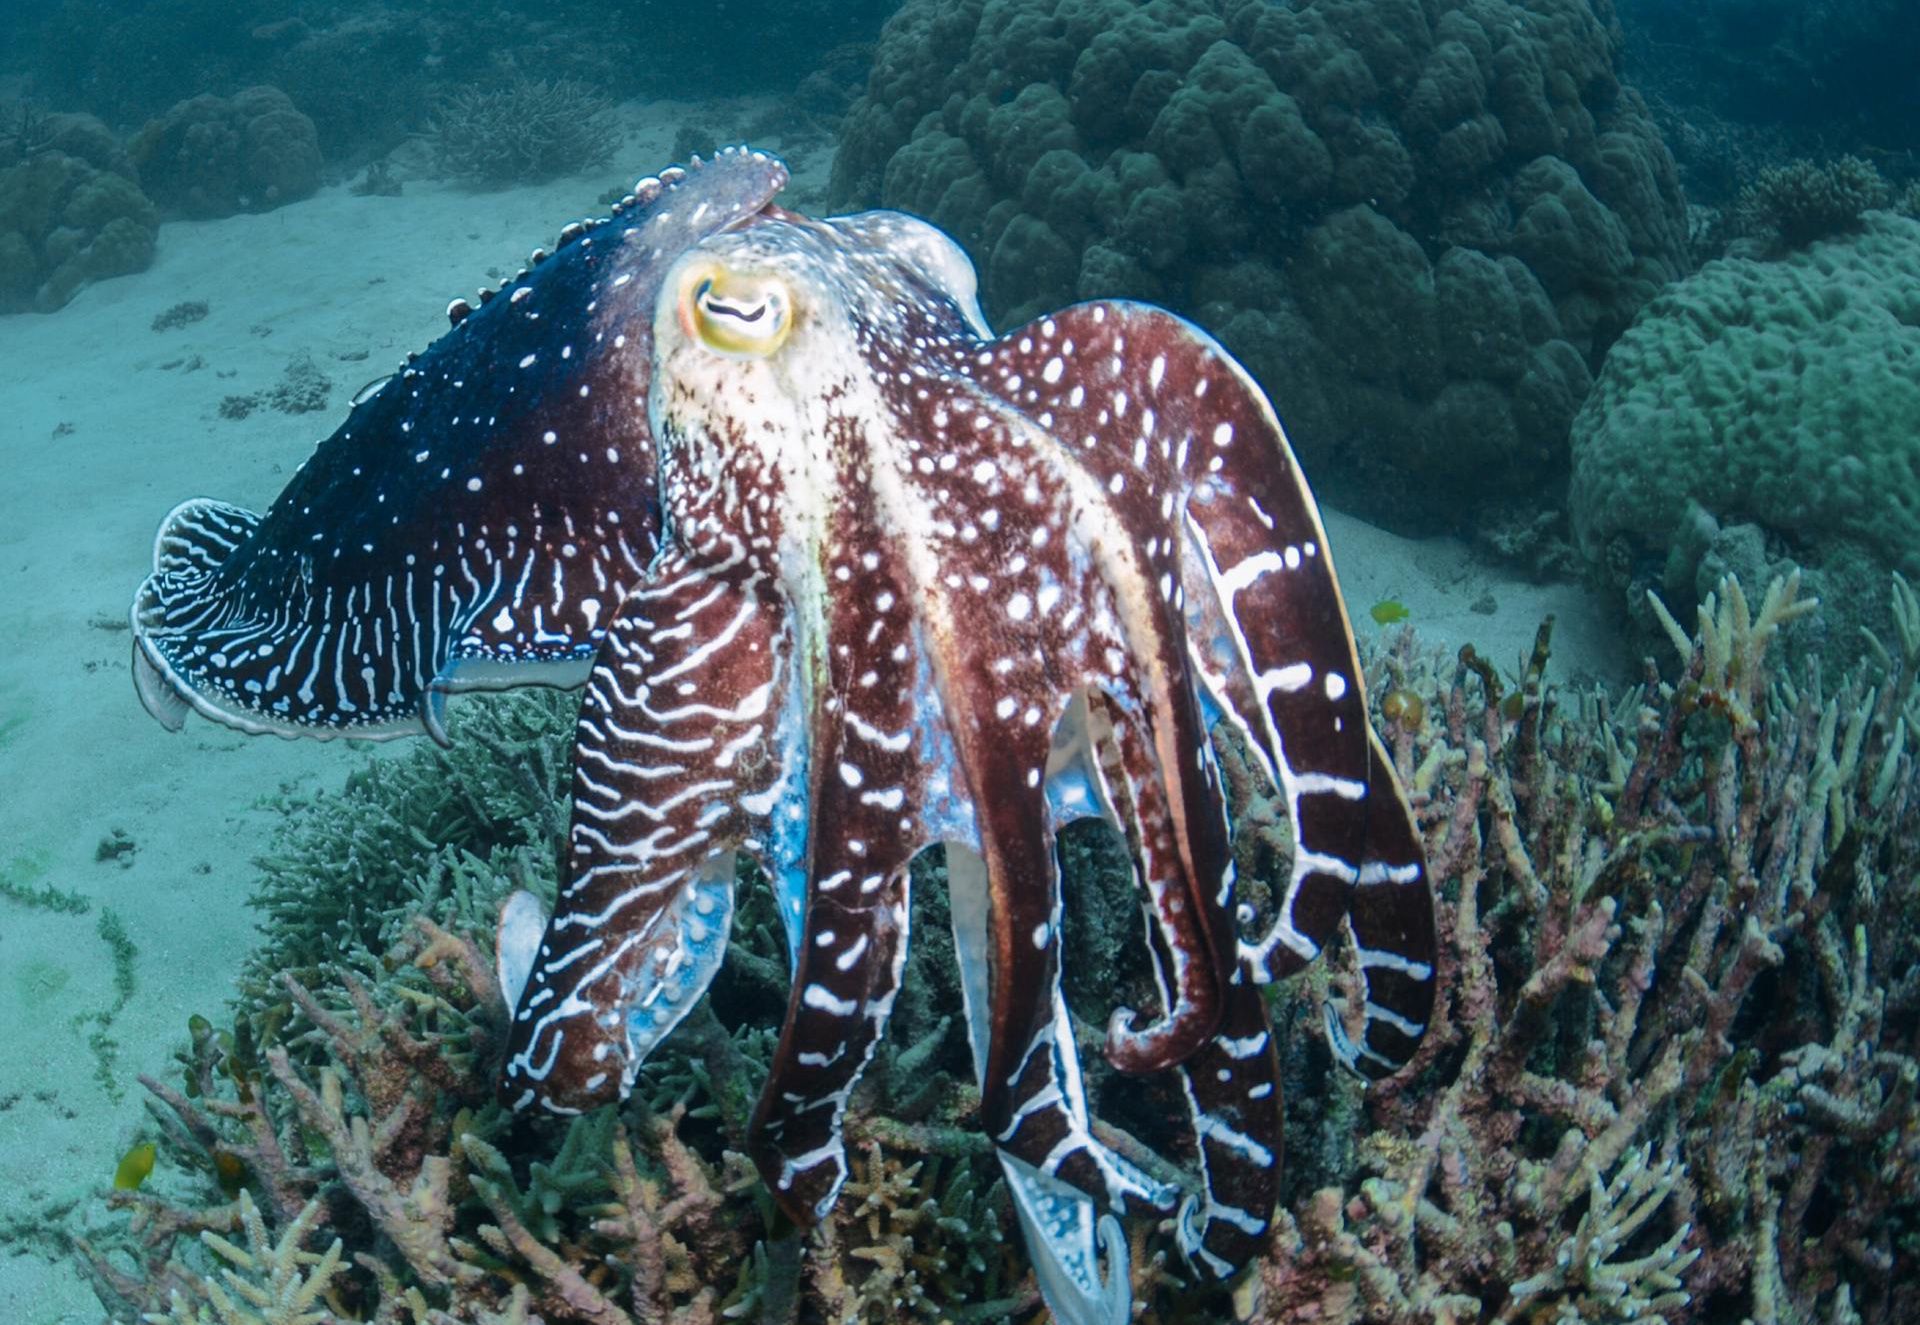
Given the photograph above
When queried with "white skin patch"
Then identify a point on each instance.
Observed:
(822, 998)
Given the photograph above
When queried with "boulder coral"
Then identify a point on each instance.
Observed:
(1780, 394)
(216, 156)
(70, 212)
(1420, 224)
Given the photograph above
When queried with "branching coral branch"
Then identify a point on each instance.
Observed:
(271, 1281)
(1623, 878)
(523, 133)
(415, 1220)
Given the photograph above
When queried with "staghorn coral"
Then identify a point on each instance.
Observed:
(394, 1138)
(1663, 913)
(621, 1221)
(440, 832)
(1795, 204)
(1586, 1280)
(911, 1236)
(1672, 1077)
(273, 1283)
(525, 132)
(358, 1074)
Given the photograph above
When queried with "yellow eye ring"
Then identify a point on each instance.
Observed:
(741, 315)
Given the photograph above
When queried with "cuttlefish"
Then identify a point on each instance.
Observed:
(850, 577)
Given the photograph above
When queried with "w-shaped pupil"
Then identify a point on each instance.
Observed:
(735, 311)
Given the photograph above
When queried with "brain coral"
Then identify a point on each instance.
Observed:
(1420, 222)
(1783, 394)
(214, 156)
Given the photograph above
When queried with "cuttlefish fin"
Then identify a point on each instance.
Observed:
(191, 545)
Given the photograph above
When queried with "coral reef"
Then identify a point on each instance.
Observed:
(1419, 225)
(1795, 204)
(278, 1282)
(214, 156)
(416, 836)
(525, 132)
(352, 1101)
(27, 130)
(1672, 1077)
(1774, 394)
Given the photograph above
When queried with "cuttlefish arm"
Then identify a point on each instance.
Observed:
(678, 763)
(874, 749)
(1161, 405)
(1202, 478)
(1394, 934)
(1231, 1082)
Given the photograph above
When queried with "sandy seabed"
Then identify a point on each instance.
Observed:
(108, 423)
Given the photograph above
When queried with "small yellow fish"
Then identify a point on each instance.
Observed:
(134, 1167)
(1387, 611)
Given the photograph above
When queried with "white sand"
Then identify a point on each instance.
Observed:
(105, 429)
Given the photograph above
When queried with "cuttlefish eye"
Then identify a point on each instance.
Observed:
(740, 314)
